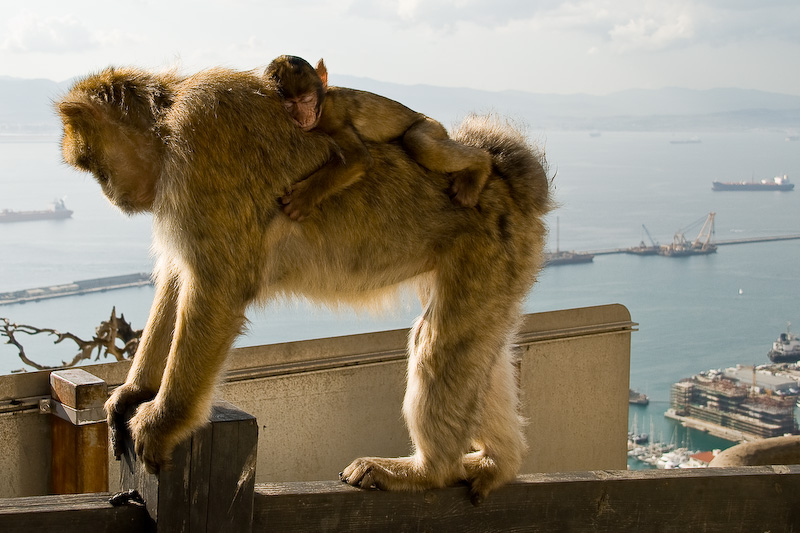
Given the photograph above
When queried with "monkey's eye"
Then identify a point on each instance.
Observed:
(309, 98)
(288, 104)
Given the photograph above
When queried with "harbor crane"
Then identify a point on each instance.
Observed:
(654, 243)
(703, 240)
(701, 245)
(644, 249)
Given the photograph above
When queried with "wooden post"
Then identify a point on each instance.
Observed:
(79, 460)
(211, 483)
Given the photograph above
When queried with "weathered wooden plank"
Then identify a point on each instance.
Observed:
(210, 484)
(79, 458)
(720, 500)
(73, 513)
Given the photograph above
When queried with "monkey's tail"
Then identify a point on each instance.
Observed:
(519, 163)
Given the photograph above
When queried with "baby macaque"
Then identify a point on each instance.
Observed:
(351, 118)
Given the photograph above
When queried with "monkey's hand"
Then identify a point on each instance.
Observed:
(155, 432)
(123, 398)
(299, 201)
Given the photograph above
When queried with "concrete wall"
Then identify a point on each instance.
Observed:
(321, 403)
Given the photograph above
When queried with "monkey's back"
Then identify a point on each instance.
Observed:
(375, 118)
(396, 223)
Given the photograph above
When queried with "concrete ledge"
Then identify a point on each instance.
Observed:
(774, 451)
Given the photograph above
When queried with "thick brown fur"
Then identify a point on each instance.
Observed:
(353, 117)
(210, 155)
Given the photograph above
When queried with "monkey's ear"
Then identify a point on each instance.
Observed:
(76, 111)
(322, 72)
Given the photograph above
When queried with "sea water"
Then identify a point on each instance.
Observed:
(694, 313)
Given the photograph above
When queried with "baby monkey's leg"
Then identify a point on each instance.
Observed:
(428, 143)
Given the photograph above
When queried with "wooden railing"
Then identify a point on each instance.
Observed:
(746, 499)
(211, 488)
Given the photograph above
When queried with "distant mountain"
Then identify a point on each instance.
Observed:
(26, 107)
(667, 109)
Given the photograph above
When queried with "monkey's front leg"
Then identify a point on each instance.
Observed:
(208, 319)
(144, 377)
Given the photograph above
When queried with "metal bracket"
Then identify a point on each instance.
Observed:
(78, 417)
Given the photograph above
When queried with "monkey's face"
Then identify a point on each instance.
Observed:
(304, 109)
(121, 162)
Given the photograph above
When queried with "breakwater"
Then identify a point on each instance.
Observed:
(75, 288)
(726, 242)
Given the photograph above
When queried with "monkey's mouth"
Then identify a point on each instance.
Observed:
(308, 122)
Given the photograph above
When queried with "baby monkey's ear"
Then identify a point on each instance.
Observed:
(322, 72)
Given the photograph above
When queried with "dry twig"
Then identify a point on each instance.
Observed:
(105, 341)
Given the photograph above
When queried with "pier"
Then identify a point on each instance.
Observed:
(76, 287)
(726, 242)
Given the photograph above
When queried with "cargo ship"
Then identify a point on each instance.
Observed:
(57, 211)
(786, 349)
(778, 183)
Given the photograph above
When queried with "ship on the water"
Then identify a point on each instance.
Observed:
(786, 349)
(702, 245)
(689, 140)
(567, 258)
(778, 183)
(560, 257)
(738, 404)
(57, 211)
(637, 398)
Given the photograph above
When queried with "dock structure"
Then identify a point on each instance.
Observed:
(86, 286)
(725, 242)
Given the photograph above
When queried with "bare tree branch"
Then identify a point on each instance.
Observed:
(104, 340)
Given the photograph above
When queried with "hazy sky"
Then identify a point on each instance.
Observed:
(548, 46)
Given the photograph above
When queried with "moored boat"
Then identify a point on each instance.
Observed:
(786, 349)
(57, 211)
(778, 183)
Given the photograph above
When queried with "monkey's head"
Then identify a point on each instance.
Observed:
(110, 130)
(301, 86)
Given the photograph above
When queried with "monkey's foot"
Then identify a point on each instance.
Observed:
(401, 473)
(484, 475)
(123, 398)
(155, 433)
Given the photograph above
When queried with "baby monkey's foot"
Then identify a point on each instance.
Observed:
(466, 189)
(298, 202)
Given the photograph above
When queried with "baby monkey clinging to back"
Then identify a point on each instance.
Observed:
(351, 117)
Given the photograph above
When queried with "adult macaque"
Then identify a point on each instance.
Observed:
(353, 117)
(210, 155)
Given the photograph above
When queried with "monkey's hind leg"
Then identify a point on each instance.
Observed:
(428, 143)
(500, 442)
(460, 390)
